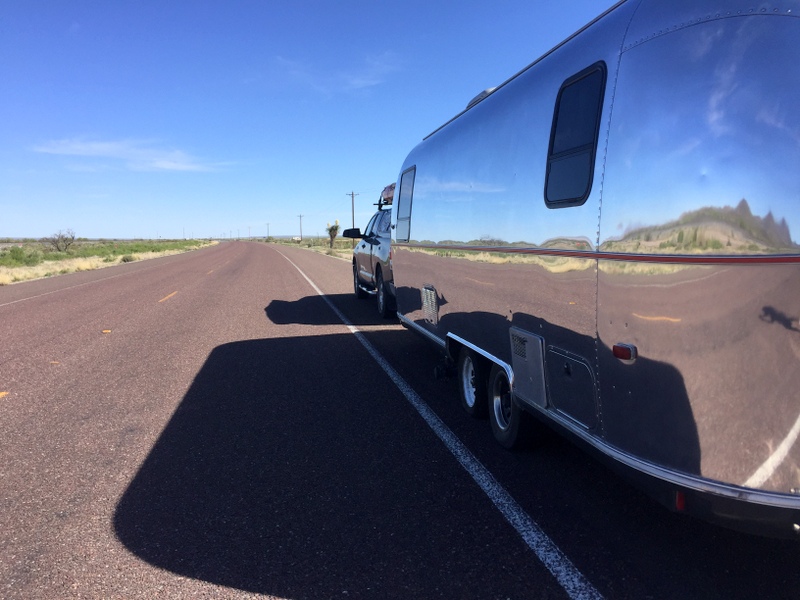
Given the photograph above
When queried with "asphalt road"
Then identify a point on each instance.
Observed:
(205, 426)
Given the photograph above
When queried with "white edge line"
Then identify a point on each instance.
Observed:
(765, 471)
(567, 575)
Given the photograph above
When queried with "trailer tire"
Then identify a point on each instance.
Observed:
(510, 424)
(357, 284)
(472, 383)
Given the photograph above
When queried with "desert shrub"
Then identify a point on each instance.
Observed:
(20, 257)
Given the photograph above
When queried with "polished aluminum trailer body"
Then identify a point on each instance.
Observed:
(633, 272)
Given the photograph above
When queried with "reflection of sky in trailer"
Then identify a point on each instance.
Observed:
(492, 212)
(716, 123)
(702, 117)
(485, 205)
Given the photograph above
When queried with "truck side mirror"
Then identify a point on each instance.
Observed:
(354, 233)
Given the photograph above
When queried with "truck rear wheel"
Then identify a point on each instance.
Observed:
(472, 383)
(510, 424)
(383, 298)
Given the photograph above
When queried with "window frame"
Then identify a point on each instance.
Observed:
(371, 225)
(383, 225)
(403, 223)
(589, 149)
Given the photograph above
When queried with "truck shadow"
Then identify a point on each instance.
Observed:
(313, 310)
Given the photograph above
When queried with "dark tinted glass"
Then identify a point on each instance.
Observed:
(576, 123)
(403, 229)
(573, 141)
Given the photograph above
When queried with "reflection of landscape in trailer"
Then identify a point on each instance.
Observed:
(609, 233)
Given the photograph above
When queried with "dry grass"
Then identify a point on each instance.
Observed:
(613, 267)
(70, 265)
(553, 264)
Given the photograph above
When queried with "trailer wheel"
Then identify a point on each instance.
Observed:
(510, 424)
(384, 304)
(356, 283)
(472, 383)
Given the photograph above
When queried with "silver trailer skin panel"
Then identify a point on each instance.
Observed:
(632, 271)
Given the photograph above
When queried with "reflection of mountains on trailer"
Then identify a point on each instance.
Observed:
(711, 229)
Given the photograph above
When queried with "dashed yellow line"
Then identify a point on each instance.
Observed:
(478, 281)
(210, 272)
(168, 297)
(3, 394)
(667, 319)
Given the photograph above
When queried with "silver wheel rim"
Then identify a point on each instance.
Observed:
(501, 402)
(381, 299)
(468, 382)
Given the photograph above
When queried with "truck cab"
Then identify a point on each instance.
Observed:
(372, 269)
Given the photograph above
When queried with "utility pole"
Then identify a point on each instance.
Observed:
(353, 213)
(301, 227)
(353, 206)
(267, 230)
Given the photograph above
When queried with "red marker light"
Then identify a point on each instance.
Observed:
(624, 352)
(680, 501)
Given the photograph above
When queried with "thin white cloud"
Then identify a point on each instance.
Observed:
(297, 73)
(374, 71)
(776, 118)
(135, 155)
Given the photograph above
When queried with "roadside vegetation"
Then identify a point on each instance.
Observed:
(23, 260)
(336, 247)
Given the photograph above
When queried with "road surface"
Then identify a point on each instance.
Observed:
(206, 426)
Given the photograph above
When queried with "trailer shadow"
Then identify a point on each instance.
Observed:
(260, 481)
(283, 472)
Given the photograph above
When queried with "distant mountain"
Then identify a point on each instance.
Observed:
(710, 229)
(766, 230)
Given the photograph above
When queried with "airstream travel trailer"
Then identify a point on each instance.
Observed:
(606, 241)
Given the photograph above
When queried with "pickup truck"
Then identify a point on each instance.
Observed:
(372, 266)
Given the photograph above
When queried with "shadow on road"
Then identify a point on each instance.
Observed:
(313, 310)
(283, 472)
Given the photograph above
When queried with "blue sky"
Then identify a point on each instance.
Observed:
(202, 119)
